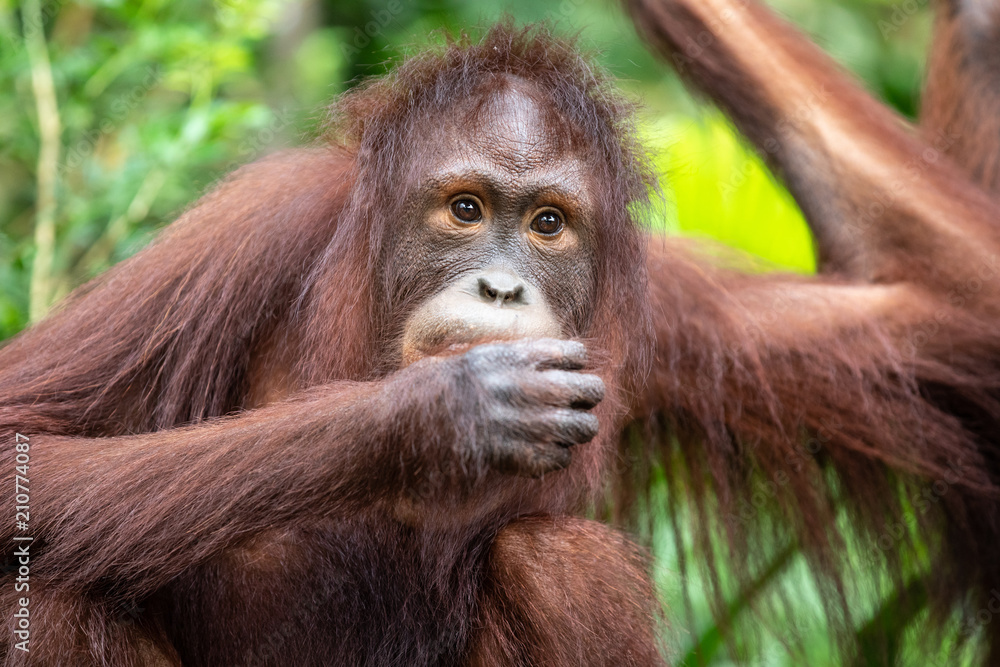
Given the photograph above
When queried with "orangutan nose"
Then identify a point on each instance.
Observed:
(502, 288)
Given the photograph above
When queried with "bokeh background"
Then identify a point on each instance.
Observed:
(115, 115)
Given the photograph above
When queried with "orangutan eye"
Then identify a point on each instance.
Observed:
(547, 223)
(467, 210)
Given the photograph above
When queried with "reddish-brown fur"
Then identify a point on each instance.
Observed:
(337, 506)
(226, 467)
(960, 113)
(874, 388)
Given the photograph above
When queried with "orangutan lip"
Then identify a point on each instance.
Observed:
(459, 318)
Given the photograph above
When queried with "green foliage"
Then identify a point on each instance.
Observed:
(155, 101)
(718, 188)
